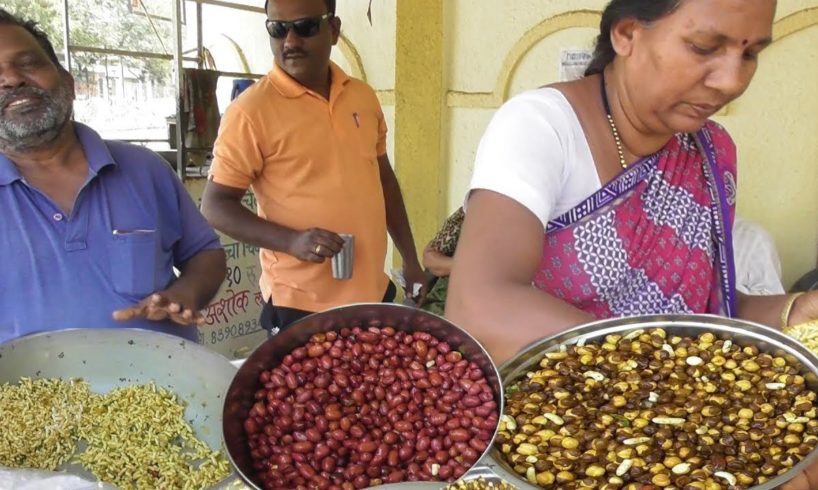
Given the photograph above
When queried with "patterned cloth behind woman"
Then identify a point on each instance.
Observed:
(656, 238)
(444, 242)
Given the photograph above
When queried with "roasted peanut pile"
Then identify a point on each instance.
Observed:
(648, 408)
(363, 407)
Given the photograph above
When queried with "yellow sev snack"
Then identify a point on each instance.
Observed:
(39, 422)
(806, 333)
(480, 484)
(136, 436)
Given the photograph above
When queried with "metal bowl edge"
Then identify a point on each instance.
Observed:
(239, 397)
(740, 332)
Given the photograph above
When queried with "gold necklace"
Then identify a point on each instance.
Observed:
(614, 130)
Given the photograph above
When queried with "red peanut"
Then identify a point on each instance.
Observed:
(322, 418)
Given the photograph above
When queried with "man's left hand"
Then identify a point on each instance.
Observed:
(804, 309)
(413, 274)
(162, 305)
(806, 480)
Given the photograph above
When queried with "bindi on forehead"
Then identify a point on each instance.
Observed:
(745, 42)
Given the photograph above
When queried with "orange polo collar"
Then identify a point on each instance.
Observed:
(290, 88)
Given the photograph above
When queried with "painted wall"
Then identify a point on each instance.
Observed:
(498, 49)
(775, 126)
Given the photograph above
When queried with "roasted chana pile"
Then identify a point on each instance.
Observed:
(649, 408)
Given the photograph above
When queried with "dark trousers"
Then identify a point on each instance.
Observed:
(274, 319)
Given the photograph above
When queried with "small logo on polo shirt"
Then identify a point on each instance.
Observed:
(355, 118)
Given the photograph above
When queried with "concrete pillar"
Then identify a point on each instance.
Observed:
(419, 104)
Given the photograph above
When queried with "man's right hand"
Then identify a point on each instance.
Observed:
(315, 245)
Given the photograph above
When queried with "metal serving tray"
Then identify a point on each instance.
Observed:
(478, 472)
(113, 357)
(741, 332)
(239, 398)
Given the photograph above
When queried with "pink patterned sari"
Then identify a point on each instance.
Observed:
(656, 239)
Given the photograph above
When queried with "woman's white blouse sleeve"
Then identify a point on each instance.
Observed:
(522, 154)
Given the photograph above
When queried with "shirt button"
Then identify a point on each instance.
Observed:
(58, 217)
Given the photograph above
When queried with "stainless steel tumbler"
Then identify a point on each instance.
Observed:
(342, 261)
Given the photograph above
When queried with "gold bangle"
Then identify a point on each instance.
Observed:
(785, 313)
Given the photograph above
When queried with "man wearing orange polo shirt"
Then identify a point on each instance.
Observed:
(311, 144)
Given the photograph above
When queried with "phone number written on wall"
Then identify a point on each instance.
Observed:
(236, 330)
(234, 313)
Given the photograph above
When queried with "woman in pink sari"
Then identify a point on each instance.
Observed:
(614, 195)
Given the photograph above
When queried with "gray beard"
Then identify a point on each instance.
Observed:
(24, 132)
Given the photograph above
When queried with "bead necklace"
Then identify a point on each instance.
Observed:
(614, 130)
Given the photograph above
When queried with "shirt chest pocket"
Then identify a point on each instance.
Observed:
(364, 135)
(135, 257)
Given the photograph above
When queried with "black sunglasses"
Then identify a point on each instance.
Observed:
(306, 27)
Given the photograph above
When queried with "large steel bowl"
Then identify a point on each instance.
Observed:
(240, 396)
(740, 332)
(109, 357)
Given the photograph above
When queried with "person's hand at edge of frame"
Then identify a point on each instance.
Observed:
(804, 309)
(805, 480)
(413, 274)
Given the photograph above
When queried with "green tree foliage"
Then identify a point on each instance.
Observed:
(45, 12)
(113, 24)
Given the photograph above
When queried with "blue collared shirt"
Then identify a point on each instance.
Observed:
(132, 222)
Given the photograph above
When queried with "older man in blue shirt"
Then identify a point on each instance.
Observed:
(91, 229)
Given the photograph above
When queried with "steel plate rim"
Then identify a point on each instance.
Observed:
(201, 351)
(253, 360)
(511, 368)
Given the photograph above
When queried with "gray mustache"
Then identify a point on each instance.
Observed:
(8, 96)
